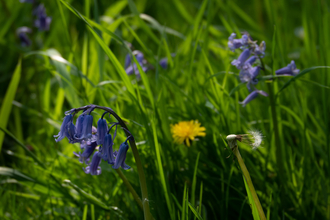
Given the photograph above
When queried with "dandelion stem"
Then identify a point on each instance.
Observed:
(249, 182)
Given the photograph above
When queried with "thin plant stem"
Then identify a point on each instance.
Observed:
(249, 182)
(130, 188)
(280, 159)
(143, 183)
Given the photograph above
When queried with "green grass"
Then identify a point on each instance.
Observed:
(80, 60)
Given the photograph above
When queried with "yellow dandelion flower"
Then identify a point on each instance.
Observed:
(186, 131)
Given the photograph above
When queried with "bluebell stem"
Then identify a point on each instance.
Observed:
(61, 134)
(22, 35)
(239, 63)
(252, 96)
(94, 168)
(289, 70)
(42, 22)
(121, 156)
(237, 43)
(102, 129)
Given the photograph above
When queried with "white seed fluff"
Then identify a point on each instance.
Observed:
(257, 139)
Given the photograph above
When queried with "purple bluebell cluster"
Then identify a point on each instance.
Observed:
(246, 63)
(43, 21)
(130, 65)
(93, 141)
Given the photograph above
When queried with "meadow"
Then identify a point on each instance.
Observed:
(165, 68)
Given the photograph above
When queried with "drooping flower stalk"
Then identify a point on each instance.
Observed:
(93, 168)
(232, 142)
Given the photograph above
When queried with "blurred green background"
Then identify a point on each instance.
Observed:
(80, 60)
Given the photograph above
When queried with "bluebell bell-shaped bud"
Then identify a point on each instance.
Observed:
(79, 126)
(163, 63)
(85, 155)
(252, 96)
(22, 35)
(87, 127)
(94, 168)
(108, 143)
(237, 43)
(42, 22)
(239, 63)
(121, 157)
(249, 98)
(102, 129)
(61, 134)
(70, 131)
(290, 70)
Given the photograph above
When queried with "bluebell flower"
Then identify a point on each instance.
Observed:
(239, 63)
(128, 60)
(289, 70)
(130, 66)
(260, 50)
(121, 157)
(42, 22)
(102, 129)
(248, 75)
(22, 35)
(79, 125)
(252, 96)
(61, 134)
(107, 150)
(163, 63)
(70, 131)
(237, 43)
(94, 168)
(87, 127)
(89, 148)
(250, 61)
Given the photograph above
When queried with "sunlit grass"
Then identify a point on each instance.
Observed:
(80, 61)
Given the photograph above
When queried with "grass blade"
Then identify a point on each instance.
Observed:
(7, 102)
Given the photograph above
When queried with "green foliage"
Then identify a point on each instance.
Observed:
(80, 60)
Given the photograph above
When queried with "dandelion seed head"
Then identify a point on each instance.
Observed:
(256, 138)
